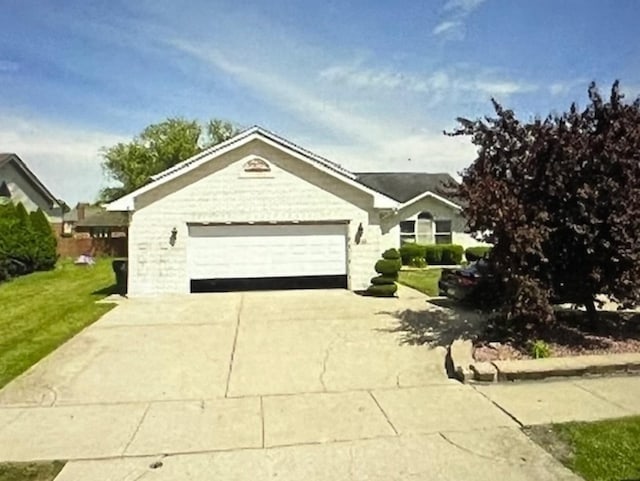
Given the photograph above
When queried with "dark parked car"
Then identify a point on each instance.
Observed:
(467, 283)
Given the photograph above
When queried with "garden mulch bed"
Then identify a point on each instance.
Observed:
(615, 333)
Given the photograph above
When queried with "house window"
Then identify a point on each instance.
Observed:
(100, 232)
(443, 232)
(407, 231)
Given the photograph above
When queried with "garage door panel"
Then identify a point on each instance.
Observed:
(253, 251)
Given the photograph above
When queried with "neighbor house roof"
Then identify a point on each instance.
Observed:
(6, 158)
(105, 218)
(405, 186)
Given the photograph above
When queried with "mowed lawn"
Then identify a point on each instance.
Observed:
(42, 310)
(597, 451)
(425, 280)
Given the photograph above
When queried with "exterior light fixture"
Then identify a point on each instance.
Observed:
(359, 233)
(173, 237)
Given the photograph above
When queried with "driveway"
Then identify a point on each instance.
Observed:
(293, 384)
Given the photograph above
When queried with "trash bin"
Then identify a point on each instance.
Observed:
(119, 267)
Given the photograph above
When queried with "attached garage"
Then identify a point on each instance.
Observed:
(227, 256)
(258, 211)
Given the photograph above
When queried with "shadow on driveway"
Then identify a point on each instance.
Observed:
(440, 323)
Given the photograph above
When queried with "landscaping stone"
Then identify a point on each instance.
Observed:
(461, 352)
(484, 372)
(566, 366)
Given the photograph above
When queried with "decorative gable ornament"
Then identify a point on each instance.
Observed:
(256, 165)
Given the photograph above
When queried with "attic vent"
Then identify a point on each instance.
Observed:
(256, 165)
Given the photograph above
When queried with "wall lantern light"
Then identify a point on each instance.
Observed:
(359, 233)
(173, 237)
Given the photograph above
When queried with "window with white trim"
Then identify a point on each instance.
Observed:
(443, 233)
(407, 231)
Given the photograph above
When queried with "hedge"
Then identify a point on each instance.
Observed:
(475, 253)
(410, 251)
(452, 254)
(27, 242)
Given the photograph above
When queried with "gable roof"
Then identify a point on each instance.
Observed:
(103, 218)
(405, 186)
(126, 203)
(6, 158)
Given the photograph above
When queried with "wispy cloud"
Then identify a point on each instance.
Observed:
(567, 86)
(477, 82)
(454, 15)
(64, 157)
(377, 142)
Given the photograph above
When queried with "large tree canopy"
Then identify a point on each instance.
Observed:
(157, 148)
(560, 199)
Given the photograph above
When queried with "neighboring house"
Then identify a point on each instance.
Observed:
(93, 221)
(20, 184)
(258, 206)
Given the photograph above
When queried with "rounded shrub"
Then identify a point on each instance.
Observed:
(384, 290)
(391, 254)
(410, 251)
(389, 267)
(382, 280)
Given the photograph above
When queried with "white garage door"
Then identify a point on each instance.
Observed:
(255, 251)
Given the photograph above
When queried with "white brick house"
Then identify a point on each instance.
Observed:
(259, 206)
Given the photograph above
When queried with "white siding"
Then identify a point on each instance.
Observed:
(221, 192)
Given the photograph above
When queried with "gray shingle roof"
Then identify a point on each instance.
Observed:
(404, 186)
(105, 218)
(7, 157)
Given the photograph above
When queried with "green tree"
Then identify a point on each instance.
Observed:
(560, 200)
(45, 241)
(157, 148)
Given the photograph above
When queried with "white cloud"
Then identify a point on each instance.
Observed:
(466, 6)
(65, 158)
(565, 87)
(455, 13)
(476, 82)
(447, 27)
(376, 143)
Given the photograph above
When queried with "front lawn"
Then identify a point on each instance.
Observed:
(597, 451)
(42, 310)
(425, 281)
(42, 471)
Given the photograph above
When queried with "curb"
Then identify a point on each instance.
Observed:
(466, 369)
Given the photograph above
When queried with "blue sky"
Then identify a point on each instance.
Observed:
(368, 84)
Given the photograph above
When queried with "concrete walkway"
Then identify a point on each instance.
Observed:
(288, 385)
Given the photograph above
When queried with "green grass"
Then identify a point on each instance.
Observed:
(597, 451)
(44, 471)
(42, 310)
(425, 281)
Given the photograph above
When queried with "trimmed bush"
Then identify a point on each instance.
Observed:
(475, 253)
(385, 285)
(410, 251)
(391, 254)
(388, 267)
(433, 254)
(45, 241)
(27, 242)
(380, 280)
(452, 254)
(384, 290)
(418, 262)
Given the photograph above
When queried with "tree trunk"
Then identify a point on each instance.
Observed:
(592, 313)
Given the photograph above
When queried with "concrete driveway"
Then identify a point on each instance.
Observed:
(293, 384)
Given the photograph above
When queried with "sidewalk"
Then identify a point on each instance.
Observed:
(560, 401)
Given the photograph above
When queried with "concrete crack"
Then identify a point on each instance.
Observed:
(383, 413)
(144, 415)
(474, 453)
(325, 361)
(262, 418)
(233, 348)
